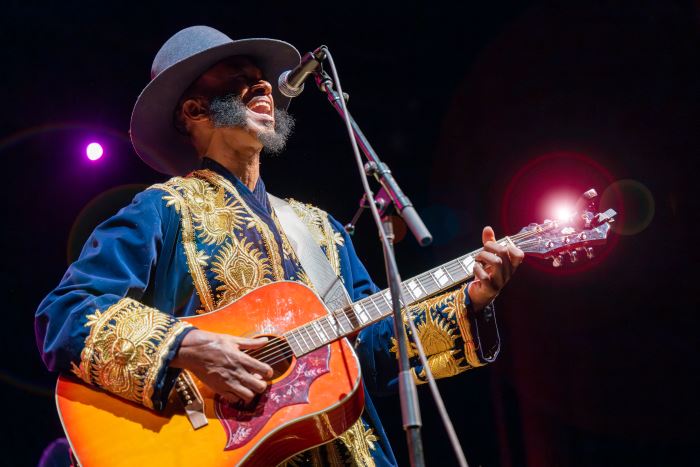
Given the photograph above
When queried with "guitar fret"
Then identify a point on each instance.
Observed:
(387, 299)
(304, 328)
(424, 284)
(332, 325)
(361, 313)
(314, 340)
(299, 334)
(348, 313)
(456, 271)
(468, 264)
(343, 313)
(461, 265)
(328, 328)
(459, 269)
(440, 277)
(296, 342)
(372, 299)
(320, 331)
(408, 291)
(353, 319)
(415, 288)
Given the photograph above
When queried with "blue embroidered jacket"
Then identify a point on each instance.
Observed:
(197, 243)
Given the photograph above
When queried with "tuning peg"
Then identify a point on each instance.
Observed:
(557, 261)
(590, 194)
(589, 252)
(573, 256)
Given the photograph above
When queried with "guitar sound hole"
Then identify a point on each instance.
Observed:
(277, 354)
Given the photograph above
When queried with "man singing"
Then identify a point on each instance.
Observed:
(209, 235)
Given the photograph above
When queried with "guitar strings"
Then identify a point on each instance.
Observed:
(278, 349)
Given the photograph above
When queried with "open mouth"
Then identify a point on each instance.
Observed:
(260, 105)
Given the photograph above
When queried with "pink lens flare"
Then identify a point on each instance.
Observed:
(94, 151)
(564, 213)
(549, 187)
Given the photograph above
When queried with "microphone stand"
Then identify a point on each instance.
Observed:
(410, 411)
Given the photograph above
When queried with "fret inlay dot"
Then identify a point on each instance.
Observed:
(469, 264)
(441, 277)
(415, 289)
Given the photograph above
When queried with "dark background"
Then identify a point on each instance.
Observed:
(482, 110)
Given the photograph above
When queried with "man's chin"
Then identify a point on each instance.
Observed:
(259, 119)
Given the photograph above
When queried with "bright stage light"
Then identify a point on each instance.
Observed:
(94, 151)
(564, 213)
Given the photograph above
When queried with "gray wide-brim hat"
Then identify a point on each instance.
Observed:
(181, 60)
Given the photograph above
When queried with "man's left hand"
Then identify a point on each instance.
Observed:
(493, 268)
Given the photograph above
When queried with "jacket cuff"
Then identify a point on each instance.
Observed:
(128, 350)
(482, 342)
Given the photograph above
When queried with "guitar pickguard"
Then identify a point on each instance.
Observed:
(242, 424)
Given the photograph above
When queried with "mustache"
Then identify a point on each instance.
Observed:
(230, 111)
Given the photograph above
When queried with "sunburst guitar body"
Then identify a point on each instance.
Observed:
(311, 400)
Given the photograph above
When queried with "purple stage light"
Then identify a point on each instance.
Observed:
(94, 151)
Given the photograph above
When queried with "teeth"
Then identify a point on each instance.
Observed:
(264, 105)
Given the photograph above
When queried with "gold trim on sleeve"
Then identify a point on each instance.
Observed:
(465, 329)
(437, 324)
(126, 348)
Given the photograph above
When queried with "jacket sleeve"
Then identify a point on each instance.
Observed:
(94, 323)
(454, 338)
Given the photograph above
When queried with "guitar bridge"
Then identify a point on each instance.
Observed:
(191, 400)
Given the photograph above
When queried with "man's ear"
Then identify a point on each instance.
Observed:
(193, 110)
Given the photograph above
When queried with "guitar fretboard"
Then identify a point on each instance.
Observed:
(368, 310)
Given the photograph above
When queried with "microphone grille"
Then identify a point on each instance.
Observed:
(285, 88)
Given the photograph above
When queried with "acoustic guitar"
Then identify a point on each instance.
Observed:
(316, 392)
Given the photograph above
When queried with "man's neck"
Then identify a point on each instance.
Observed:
(241, 160)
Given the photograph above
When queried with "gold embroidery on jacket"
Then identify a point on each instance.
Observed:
(196, 259)
(241, 268)
(125, 349)
(201, 201)
(214, 217)
(268, 238)
(437, 334)
(359, 441)
(351, 449)
(316, 220)
(465, 330)
(442, 365)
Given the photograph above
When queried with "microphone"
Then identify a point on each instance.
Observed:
(291, 82)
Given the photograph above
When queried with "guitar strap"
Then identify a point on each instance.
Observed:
(315, 263)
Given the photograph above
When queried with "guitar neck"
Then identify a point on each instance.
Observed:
(350, 319)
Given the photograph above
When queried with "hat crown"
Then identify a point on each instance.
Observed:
(186, 43)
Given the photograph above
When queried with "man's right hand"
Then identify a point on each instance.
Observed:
(220, 362)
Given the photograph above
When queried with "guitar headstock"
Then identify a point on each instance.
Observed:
(572, 237)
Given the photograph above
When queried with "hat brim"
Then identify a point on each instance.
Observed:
(152, 129)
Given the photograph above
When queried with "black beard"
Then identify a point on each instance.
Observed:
(229, 111)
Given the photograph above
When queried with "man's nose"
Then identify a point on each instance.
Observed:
(261, 88)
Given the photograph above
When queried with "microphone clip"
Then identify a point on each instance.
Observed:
(291, 82)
